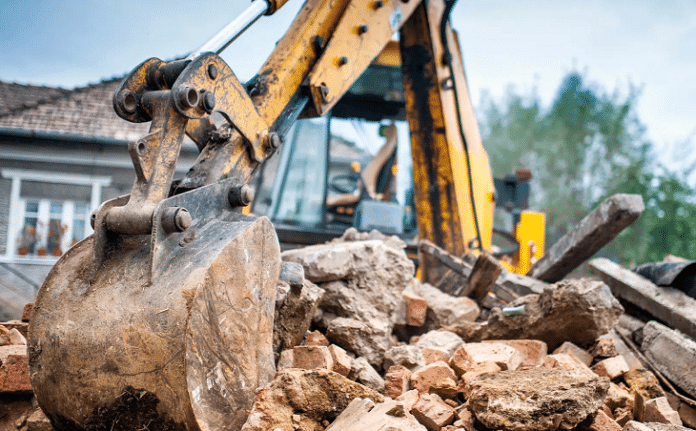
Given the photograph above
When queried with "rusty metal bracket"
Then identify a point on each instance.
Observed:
(208, 84)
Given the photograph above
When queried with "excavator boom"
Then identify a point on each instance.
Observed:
(173, 296)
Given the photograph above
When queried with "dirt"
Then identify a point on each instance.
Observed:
(134, 410)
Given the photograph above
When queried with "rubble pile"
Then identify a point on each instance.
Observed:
(361, 344)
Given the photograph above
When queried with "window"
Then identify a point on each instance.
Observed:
(49, 212)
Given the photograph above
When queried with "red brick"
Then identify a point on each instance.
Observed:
(602, 422)
(533, 351)
(432, 412)
(409, 399)
(416, 309)
(396, 381)
(27, 312)
(507, 357)
(659, 410)
(317, 339)
(14, 374)
(434, 355)
(579, 353)
(342, 363)
(461, 361)
(437, 378)
(312, 357)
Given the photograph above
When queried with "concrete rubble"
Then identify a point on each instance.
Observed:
(361, 344)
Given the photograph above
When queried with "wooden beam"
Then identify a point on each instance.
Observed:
(671, 306)
(592, 233)
(483, 277)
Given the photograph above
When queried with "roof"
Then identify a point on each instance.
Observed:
(15, 97)
(85, 111)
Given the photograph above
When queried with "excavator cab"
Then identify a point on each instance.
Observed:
(349, 168)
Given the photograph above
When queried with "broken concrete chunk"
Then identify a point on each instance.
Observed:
(444, 309)
(579, 353)
(571, 310)
(461, 361)
(443, 340)
(432, 412)
(410, 357)
(611, 367)
(397, 381)
(644, 381)
(437, 378)
(352, 234)
(38, 421)
(14, 374)
(293, 313)
(363, 372)
(652, 426)
(623, 349)
(286, 360)
(533, 352)
(311, 395)
(535, 400)
(475, 371)
(659, 410)
(4, 336)
(618, 398)
(673, 354)
(363, 339)
(594, 231)
(409, 399)
(365, 260)
(568, 362)
(506, 357)
(364, 415)
(603, 348)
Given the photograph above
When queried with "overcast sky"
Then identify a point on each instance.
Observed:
(528, 44)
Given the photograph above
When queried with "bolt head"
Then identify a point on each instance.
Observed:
(212, 71)
(182, 219)
(209, 102)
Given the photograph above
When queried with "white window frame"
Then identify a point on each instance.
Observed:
(18, 205)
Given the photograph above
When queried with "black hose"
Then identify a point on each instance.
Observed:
(447, 58)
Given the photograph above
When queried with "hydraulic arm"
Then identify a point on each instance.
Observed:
(174, 293)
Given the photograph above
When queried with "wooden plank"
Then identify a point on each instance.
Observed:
(671, 306)
(592, 233)
(483, 277)
(459, 268)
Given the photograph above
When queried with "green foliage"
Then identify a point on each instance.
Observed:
(585, 147)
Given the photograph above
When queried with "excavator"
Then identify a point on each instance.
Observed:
(171, 300)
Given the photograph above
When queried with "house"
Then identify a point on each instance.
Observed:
(62, 153)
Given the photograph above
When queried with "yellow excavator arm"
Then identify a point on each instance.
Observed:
(174, 293)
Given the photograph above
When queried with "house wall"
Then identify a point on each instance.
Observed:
(5, 187)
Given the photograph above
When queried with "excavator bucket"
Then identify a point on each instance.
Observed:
(170, 332)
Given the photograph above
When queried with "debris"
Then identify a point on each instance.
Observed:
(397, 381)
(434, 355)
(581, 354)
(652, 426)
(533, 351)
(603, 348)
(310, 357)
(410, 357)
(363, 339)
(506, 357)
(432, 412)
(38, 421)
(592, 233)
(444, 309)
(603, 422)
(27, 312)
(570, 310)
(342, 362)
(365, 415)
(293, 313)
(673, 354)
(568, 362)
(443, 340)
(363, 372)
(669, 305)
(659, 410)
(313, 395)
(611, 367)
(316, 338)
(14, 375)
(483, 276)
(535, 400)
(437, 378)
(416, 309)
(459, 273)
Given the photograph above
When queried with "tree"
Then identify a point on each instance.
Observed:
(586, 146)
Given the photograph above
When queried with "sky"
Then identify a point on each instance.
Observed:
(530, 45)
